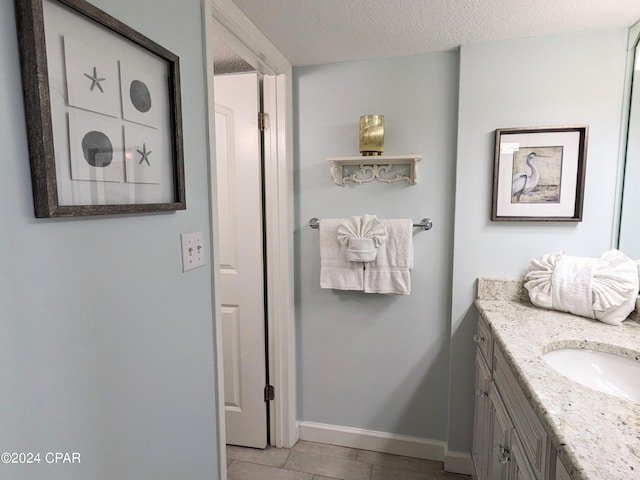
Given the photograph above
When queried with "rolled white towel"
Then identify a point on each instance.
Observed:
(362, 236)
(602, 288)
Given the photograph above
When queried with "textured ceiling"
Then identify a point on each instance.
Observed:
(310, 32)
(225, 59)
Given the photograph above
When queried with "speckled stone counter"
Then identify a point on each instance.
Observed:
(597, 435)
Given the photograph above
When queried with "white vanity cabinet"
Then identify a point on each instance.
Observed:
(509, 442)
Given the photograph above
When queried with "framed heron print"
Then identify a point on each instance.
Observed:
(539, 173)
(103, 113)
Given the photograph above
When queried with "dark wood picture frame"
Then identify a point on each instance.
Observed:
(539, 173)
(31, 23)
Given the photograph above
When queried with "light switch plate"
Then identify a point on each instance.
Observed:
(192, 250)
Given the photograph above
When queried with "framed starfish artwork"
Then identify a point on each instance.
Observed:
(539, 173)
(103, 113)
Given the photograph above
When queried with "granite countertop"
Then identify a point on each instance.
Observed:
(597, 436)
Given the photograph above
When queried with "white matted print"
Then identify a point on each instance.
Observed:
(68, 180)
(95, 147)
(539, 173)
(92, 78)
(144, 154)
(142, 93)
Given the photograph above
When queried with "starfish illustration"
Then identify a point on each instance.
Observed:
(144, 155)
(95, 80)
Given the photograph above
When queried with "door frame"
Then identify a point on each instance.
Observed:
(226, 19)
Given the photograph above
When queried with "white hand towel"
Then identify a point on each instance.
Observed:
(602, 288)
(362, 235)
(335, 270)
(390, 272)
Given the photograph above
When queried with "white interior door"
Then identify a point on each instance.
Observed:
(239, 172)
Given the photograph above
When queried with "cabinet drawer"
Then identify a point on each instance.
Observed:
(533, 437)
(483, 376)
(485, 341)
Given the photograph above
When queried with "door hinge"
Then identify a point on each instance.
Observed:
(269, 393)
(263, 121)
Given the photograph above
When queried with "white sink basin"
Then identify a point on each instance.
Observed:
(601, 371)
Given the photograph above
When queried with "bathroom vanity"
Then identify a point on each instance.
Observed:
(531, 422)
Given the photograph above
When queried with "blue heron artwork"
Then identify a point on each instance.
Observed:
(537, 174)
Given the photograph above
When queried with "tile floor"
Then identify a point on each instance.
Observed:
(317, 461)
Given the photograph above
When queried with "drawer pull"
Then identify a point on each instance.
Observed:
(481, 393)
(479, 339)
(504, 455)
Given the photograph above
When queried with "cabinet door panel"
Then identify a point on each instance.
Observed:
(535, 443)
(519, 465)
(500, 426)
(481, 431)
(561, 472)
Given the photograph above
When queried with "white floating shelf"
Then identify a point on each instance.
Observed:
(380, 167)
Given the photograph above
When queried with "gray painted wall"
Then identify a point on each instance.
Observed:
(382, 363)
(364, 360)
(562, 80)
(106, 348)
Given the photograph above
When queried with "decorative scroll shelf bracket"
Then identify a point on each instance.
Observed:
(374, 168)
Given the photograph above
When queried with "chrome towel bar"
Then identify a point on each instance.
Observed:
(425, 223)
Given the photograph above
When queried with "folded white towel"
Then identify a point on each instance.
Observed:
(362, 235)
(603, 288)
(335, 270)
(390, 272)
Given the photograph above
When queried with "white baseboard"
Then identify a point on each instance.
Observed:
(386, 443)
(458, 462)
